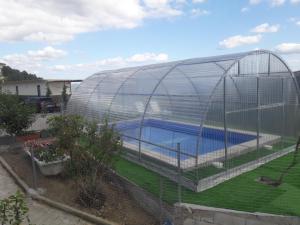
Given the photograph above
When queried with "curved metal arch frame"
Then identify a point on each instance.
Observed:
(90, 94)
(119, 88)
(148, 101)
(96, 86)
(197, 92)
(179, 63)
(226, 74)
(155, 88)
(123, 83)
(289, 70)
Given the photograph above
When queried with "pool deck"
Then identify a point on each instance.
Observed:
(215, 156)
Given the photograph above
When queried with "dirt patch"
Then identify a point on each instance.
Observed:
(118, 207)
(268, 181)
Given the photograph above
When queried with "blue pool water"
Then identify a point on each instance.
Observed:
(169, 133)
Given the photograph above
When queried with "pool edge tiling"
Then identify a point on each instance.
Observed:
(203, 158)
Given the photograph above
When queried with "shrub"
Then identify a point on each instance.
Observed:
(67, 129)
(97, 154)
(13, 210)
(15, 116)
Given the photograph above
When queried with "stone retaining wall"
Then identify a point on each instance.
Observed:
(146, 200)
(189, 214)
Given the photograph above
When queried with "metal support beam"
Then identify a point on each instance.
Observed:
(258, 115)
(147, 104)
(282, 111)
(225, 121)
(269, 64)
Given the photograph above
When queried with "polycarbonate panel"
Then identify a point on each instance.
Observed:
(254, 64)
(78, 104)
(205, 105)
(277, 66)
(131, 99)
(101, 99)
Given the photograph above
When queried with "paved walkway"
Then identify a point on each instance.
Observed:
(40, 214)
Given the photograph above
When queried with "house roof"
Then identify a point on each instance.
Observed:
(39, 81)
(57, 80)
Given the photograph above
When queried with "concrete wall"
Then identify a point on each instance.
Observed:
(189, 214)
(25, 88)
(57, 87)
(146, 200)
(30, 88)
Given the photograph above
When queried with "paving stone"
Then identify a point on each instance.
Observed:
(257, 222)
(224, 219)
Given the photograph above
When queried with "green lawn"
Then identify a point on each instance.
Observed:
(237, 161)
(239, 193)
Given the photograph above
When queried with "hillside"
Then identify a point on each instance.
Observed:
(16, 75)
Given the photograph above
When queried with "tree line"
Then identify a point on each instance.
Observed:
(10, 74)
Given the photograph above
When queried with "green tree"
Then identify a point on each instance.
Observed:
(15, 116)
(16, 75)
(97, 155)
(67, 129)
(64, 97)
(48, 92)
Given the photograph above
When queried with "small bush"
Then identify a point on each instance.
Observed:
(67, 129)
(15, 116)
(13, 210)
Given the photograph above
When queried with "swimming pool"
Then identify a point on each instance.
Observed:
(169, 133)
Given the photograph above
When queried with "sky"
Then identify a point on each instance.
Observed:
(72, 39)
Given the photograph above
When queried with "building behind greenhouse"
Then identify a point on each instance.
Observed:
(201, 120)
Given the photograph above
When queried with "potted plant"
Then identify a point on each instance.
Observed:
(47, 155)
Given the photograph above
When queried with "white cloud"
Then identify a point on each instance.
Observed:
(32, 60)
(293, 62)
(273, 3)
(199, 1)
(288, 48)
(240, 40)
(295, 1)
(199, 12)
(254, 2)
(85, 69)
(266, 28)
(245, 9)
(148, 57)
(161, 8)
(38, 62)
(298, 23)
(58, 21)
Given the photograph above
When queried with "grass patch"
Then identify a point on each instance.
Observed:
(237, 161)
(240, 193)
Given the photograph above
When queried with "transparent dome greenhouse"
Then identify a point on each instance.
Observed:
(209, 119)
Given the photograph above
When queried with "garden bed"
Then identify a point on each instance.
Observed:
(118, 207)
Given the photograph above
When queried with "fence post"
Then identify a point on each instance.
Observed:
(160, 198)
(33, 169)
(179, 172)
